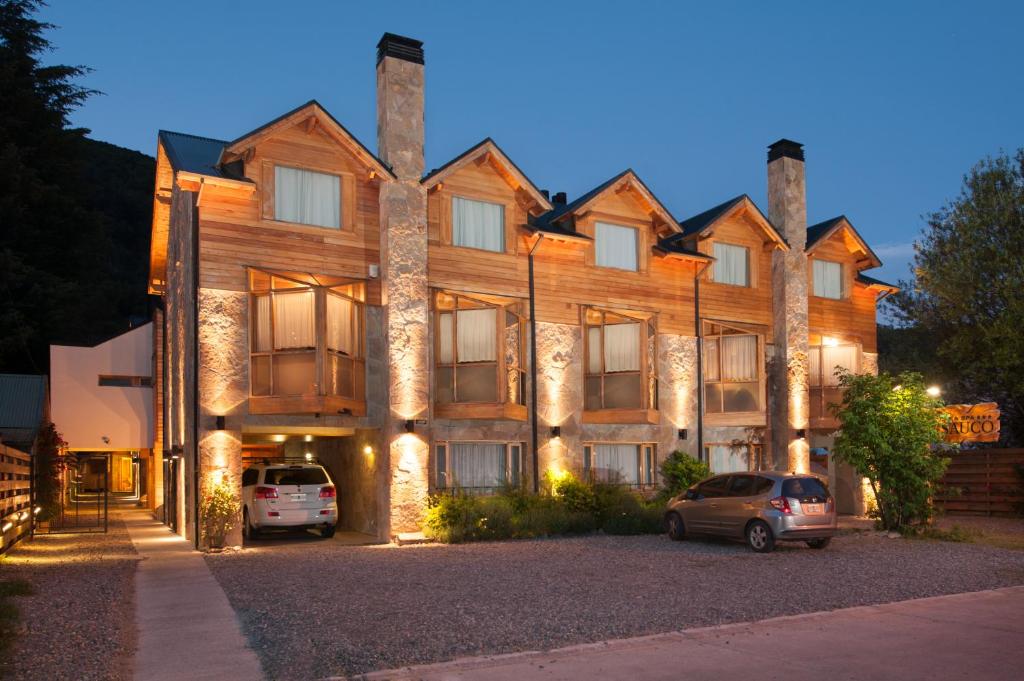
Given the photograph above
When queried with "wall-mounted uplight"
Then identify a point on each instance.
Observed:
(367, 450)
(221, 422)
(308, 438)
(410, 426)
(934, 391)
(556, 431)
(309, 456)
(801, 433)
(36, 510)
(682, 433)
(7, 526)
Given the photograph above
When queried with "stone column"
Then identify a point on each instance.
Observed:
(403, 220)
(787, 210)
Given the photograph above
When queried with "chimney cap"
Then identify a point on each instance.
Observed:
(785, 148)
(559, 198)
(400, 47)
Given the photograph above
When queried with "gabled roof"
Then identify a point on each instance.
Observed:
(676, 245)
(330, 124)
(820, 233)
(509, 171)
(626, 179)
(22, 405)
(876, 283)
(199, 155)
(702, 222)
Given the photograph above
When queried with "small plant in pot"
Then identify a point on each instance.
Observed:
(219, 513)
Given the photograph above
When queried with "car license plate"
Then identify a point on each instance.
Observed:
(298, 497)
(814, 509)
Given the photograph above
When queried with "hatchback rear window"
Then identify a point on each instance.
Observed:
(799, 488)
(295, 476)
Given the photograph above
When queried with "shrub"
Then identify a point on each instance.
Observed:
(459, 517)
(577, 495)
(219, 511)
(549, 517)
(679, 472)
(628, 514)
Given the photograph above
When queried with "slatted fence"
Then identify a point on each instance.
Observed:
(15, 496)
(983, 482)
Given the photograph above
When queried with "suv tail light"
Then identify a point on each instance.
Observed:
(781, 503)
(265, 493)
(328, 492)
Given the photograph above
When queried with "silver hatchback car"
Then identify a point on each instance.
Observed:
(761, 508)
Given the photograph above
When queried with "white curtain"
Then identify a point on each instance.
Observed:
(445, 340)
(739, 358)
(307, 197)
(622, 347)
(478, 224)
(814, 366)
(615, 246)
(617, 463)
(844, 356)
(731, 265)
(711, 360)
(828, 279)
(293, 320)
(476, 464)
(341, 332)
(593, 349)
(726, 459)
(477, 335)
(263, 329)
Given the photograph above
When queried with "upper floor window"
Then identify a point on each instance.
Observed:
(478, 224)
(732, 370)
(478, 344)
(615, 246)
(823, 363)
(828, 279)
(307, 338)
(307, 197)
(126, 381)
(621, 361)
(479, 467)
(628, 464)
(732, 264)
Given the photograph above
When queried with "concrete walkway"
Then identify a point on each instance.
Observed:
(974, 636)
(186, 628)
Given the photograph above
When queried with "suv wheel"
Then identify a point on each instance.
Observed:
(248, 530)
(327, 531)
(676, 529)
(819, 543)
(760, 537)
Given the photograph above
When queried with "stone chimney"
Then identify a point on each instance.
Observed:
(789, 401)
(403, 253)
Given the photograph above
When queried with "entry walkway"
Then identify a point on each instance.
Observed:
(974, 636)
(186, 627)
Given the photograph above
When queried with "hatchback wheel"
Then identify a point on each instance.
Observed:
(248, 530)
(676, 529)
(819, 543)
(760, 537)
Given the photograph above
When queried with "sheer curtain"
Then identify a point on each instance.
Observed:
(477, 331)
(341, 336)
(711, 360)
(828, 279)
(739, 358)
(622, 347)
(615, 246)
(844, 356)
(293, 321)
(730, 264)
(445, 344)
(617, 463)
(726, 459)
(478, 224)
(307, 197)
(476, 464)
(263, 332)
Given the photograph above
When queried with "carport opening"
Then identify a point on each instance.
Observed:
(350, 460)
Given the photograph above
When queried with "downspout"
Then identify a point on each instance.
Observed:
(162, 306)
(195, 368)
(700, 359)
(533, 369)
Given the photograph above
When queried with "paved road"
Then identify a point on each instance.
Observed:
(975, 636)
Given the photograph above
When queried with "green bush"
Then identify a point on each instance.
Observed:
(549, 517)
(679, 472)
(628, 514)
(577, 495)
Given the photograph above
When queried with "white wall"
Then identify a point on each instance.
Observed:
(85, 412)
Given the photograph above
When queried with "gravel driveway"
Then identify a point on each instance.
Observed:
(314, 609)
(80, 621)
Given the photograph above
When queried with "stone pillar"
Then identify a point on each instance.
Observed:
(403, 220)
(787, 210)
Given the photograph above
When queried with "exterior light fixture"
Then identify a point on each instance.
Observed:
(682, 433)
(934, 391)
(36, 510)
(410, 425)
(556, 431)
(309, 456)
(367, 450)
(308, 438)
(221, 425)
(829, 341)
(801, 433)
(7, 526)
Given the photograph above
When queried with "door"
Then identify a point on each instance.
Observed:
(701, 514)
(737, 508)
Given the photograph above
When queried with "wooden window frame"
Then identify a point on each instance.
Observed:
(318, 401)
(751, 265)
(844, 283)
(124, 381)
(347, 195)
(515, 475)
(445, 217)
(756, 462)
(647, 411)
(647, 462)
(734, 418)
(816, 393)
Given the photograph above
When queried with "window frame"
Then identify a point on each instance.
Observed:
(504, 222)
(346, 195)
(759, 363)
(749, 274)
(638, 265)
(646, 463)
(648, 360)
(844, 292)
(755, 452)
(817, 393)
(516, 468)
(123, 381)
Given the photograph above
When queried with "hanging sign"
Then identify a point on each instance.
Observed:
(972, 422)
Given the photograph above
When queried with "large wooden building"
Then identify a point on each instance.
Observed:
(417, 331)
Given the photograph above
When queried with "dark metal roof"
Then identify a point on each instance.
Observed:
(563, 209)
(698, 223)
(22, 404)
(471, 151)
(865, 279)
(194, 154)
(816, 233)
(676, 244)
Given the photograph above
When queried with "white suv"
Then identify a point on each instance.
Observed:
(288, 496)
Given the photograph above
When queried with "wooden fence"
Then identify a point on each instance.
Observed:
(15, 496)
(983, 482)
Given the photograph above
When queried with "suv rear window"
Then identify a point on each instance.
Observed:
(801, 488)
(295, 476)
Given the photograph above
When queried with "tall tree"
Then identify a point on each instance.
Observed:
(968, 293)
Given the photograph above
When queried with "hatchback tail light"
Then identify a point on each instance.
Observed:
(328, 492)
(265, 493)
(781, 503)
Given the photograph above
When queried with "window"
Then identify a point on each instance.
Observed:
(828, 279)
(823, 361)
(307, 197)
(478, 466)
(295, 475)
(621, 366)
(811, 490)
(626, 464)
(742, 485)
(732, 264)
(290, 356)
(732, 370)
(713, 488)
(615, 246)
(733, 457)
(126, 381)
(478, 224)
(474, 340)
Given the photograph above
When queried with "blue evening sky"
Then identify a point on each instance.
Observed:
(894, 101)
